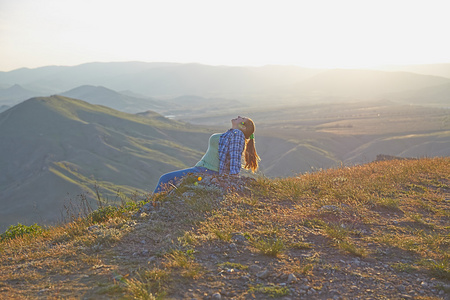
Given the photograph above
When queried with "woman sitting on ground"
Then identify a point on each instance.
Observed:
(223, 156)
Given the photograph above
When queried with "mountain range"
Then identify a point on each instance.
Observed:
(252, 85)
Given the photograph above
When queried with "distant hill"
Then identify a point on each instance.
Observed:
(250, 85)
(442, 70)
(184, 106)
(363, 84)
(102, 96)
(15, 94)
(159, 79)
(437, 95)
(56, 148)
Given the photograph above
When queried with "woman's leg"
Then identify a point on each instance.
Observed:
(173, 177)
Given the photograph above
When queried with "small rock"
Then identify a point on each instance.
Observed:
(401, 288)
(216, 296)
(264, 274)
(239, 239)
(291, 278)
(305, 287)
(254, 269)
(147, 207)
(329, 209)
(232, 246)
(93, 227)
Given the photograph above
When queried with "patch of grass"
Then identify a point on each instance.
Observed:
(313, 223)
(272, 290)
(188, 239)
(271, 246)
(352, 248)
(223, 235)
(418, 218)
(307, 268)
(103, 214)
(386, 203)
(438, 268)
(233, 266)
(200, 203)
(302, 246)
(404, 267)
(148, 285)
(337, 231)
(105, 237)
(184, 261)
(111, 289)
(341, 236)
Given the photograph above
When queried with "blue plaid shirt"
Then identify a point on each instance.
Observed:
(231, 146)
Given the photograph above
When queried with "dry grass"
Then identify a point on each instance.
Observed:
(396, 212)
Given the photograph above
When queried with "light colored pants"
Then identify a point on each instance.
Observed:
(176, 176)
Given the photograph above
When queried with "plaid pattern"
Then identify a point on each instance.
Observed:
(231, 146)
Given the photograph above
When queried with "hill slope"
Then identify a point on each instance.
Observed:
(377, 231)
(55, 148)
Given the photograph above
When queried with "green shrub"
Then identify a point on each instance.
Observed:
(103, 214)
(20, 230)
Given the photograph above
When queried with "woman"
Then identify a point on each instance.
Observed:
(223, 155)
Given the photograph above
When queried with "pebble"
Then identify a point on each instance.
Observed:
(254, 269)
(264, 274)
(291, 278)
(232, 246)
(216, 296)
(329, 209)
(239, 239)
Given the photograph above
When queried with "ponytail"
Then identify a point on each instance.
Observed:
(250, 155)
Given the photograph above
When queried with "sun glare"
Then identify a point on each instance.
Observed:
(321, 33)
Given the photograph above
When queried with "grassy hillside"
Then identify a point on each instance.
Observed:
(379, 230)
(56, 148)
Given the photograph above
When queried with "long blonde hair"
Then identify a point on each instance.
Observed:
(250, 155)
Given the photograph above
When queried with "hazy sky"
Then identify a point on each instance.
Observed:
(313, 33)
